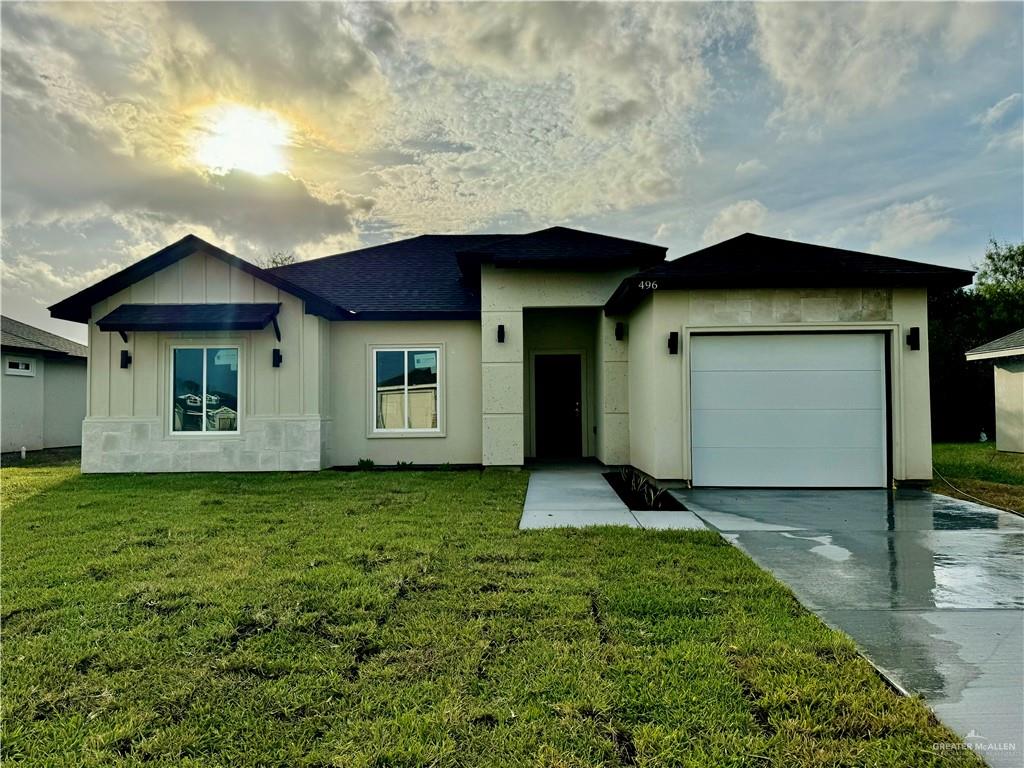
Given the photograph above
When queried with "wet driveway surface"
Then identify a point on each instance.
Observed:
(930, 588)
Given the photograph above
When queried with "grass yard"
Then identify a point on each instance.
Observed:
(982, 471)
(400, 619)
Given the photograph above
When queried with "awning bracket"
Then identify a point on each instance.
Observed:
(124, 336)
(277, 329)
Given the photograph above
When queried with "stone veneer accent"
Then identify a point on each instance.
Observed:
(770, 306)
(143, 445)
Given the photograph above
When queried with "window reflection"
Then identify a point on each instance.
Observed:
(205, 389)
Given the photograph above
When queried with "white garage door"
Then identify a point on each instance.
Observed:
(788, 410)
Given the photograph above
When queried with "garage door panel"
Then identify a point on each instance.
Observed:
(788, 410)
(787, 390)
(788, 429)
(789, 467)
(775, 352)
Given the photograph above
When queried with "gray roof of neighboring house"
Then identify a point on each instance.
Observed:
(15, 334)
(1011, 343)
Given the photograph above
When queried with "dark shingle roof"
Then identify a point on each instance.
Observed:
(1008, 344)
(564, 248)
(437, 276)
(189, 317)
(18, 335)
(756, 261)
(425, 277)
(416, 277)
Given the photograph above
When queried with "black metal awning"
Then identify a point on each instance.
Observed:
(190, 317)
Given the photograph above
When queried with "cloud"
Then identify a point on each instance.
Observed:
(995, 114)
(902, 225)
(94, 180)
(45, 282)
(752, 167)
(835, 60)
(742, 216)
(993, 122)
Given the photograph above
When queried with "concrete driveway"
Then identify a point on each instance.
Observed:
(930, 588)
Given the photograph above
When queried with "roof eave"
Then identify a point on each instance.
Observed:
(50, 353)
(996, 354)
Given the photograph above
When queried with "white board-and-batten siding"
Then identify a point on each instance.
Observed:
(127, 426)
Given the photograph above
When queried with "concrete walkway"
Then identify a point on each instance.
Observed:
(577, 496)
(931, 589)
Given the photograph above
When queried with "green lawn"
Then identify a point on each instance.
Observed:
(981, 471)
(400, 619)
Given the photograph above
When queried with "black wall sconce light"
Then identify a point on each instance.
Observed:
(276, 358)
(914, 338)
(126, 358)
(673, 343)
(501, 334)
(620, 331)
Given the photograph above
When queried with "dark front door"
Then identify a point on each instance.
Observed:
(559, 407)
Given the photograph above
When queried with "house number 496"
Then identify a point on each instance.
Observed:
(648, 285)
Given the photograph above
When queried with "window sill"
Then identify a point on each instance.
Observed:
(403, 434)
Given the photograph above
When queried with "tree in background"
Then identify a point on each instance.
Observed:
(1000, 280)
(276, 259)
(963, 400)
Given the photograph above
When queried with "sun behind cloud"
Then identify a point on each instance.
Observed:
(236, 137)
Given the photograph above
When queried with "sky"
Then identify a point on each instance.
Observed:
(314, 129)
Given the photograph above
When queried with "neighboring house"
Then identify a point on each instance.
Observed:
(755, 362)
(1007, 355)
(42, 388)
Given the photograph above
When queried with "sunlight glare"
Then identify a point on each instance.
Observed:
(242, 138)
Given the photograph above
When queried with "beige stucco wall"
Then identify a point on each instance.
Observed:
(612, 390)
(505, 293)
(352, 438)
(127, 426)
(45, 410)
(1009, 382)
(658, 381)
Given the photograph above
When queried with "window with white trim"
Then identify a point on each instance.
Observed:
(406, 394)
(19, 366)
(204, 387)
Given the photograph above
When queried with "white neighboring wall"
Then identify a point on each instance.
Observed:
(1009, 376)
(281, 426)
(45, 409)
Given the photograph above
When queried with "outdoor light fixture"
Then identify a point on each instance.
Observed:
(126, 358)
(914, 338)
(501, 334)
(620, 331)
(277, 358)
(673, 343)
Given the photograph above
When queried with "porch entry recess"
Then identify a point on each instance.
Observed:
(558, 414)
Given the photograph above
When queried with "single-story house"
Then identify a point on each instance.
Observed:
(1007, 354)
(42, 388)
(754, 362)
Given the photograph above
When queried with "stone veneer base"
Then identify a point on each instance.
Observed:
(143, 445)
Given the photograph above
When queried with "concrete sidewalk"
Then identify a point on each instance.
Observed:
(577, 496)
